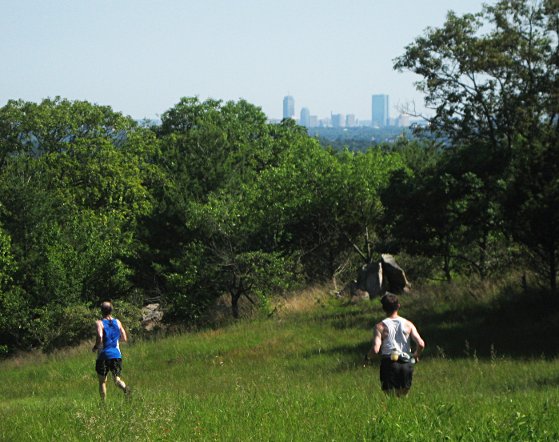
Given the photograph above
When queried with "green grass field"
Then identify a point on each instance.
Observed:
(297, 376)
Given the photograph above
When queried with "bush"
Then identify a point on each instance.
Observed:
(131, 317)
(15, 317)
(55, 326)
(62, 326)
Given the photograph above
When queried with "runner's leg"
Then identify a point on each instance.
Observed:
(102, 386)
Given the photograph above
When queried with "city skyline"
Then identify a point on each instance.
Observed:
(380, 115)
(140, 57)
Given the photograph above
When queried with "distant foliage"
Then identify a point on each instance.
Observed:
(358, 139)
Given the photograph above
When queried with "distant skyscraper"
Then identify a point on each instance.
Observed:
(338, 120)
(380, 114)
(350, 120)
(288, 107)
(305, 117)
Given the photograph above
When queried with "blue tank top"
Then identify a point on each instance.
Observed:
(111, 335)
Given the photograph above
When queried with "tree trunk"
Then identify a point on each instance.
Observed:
(235, 304)
(553, 272)
(483, 255)
(446, 269)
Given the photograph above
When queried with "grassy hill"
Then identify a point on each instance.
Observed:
(299, 376)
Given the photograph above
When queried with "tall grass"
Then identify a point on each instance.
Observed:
(297, 376)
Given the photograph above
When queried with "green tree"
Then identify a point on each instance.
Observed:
(491, 80)
(531, 205)
(367, 176)
(238, 256)
(211, 153)
(14, 310)
(74, 182)
(208, 144)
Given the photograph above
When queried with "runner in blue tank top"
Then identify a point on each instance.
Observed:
(109, 358)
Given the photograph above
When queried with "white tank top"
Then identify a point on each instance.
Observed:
(397, 339)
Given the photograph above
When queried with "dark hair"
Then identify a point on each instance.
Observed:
(106, 308)
(390, 303)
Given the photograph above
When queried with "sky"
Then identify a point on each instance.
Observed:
(140, 57)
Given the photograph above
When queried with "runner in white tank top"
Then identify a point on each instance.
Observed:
(392, 338)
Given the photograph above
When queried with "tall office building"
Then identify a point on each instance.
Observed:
(288, 107)
(338, 120)
(305, 117)
(380, 114)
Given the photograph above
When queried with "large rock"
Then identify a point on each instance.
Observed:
(397, 281)
(380, 277)
(370, 279)
(152, 315)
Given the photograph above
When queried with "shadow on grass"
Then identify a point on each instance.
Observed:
(349, 316)
(547, 382)
(515, 325)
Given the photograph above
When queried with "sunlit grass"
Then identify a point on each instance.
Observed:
(297, 376)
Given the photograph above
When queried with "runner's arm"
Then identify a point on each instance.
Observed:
(419, 343)
(377, 340)
(99, 336)
(123, 334)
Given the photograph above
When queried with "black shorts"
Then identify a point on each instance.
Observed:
(395, 375)
(103, 366)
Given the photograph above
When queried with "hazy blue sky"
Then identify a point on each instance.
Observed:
(141, 56)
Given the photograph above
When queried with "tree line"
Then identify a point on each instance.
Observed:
(215, 200)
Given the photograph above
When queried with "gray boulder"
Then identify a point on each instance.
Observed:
(393, 273)
(370, 279)
(382, 276)
(152, 315)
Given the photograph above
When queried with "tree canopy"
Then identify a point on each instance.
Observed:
(491, 79)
